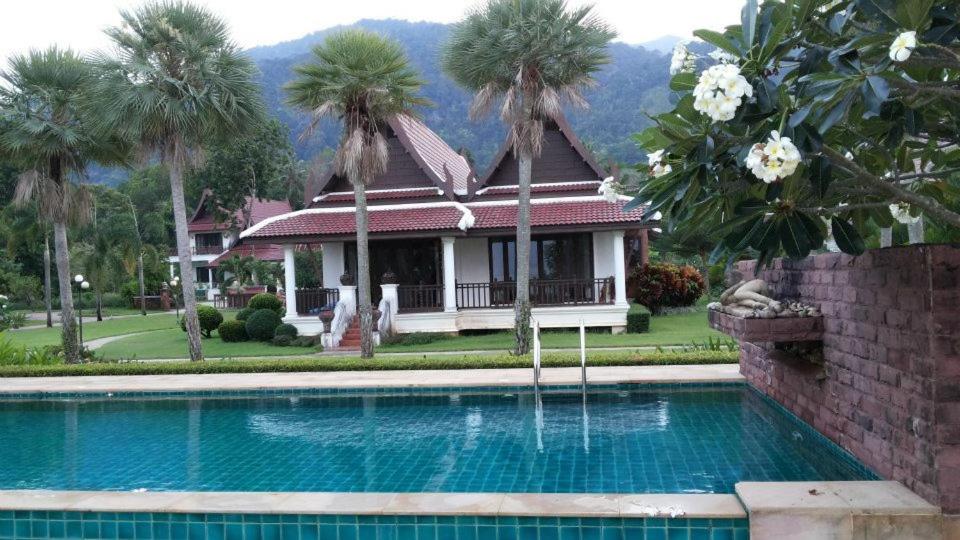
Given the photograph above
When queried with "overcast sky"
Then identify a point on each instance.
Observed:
(79, 23)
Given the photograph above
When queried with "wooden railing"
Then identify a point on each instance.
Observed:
(543, 292)
(412, 298)
(310, 301)
(236, 300)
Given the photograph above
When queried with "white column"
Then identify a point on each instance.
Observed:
(886, 237)
(619, 269)
(390, 295)
(449, 275)
(290, 280)
(915, 232)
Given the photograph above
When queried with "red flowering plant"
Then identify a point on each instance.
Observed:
(663, 285)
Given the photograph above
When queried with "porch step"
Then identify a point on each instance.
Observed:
(351, 338)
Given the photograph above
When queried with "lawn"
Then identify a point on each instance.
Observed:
(679, 329)
(93, 330)
(173, 344)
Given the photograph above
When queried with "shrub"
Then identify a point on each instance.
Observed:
(667, 285)
(286, 330)
(638, 319)
(244, 313)
(306, 341)
(266, 301)
(209, 318)
(232, 331)
(282, 340)
(262, 324)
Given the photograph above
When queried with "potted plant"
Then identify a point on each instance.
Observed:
(326, 317)
(347, 279)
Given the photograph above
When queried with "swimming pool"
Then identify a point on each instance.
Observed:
(623, 439)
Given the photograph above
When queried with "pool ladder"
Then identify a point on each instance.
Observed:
(537, 353)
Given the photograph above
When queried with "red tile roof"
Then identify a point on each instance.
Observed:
(446, 218)
(263, 252)
(260, 209)
(412, 193)
(445, 164)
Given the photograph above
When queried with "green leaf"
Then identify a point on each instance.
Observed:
(912, 14)
(846, 236)
(748, 20)
(793, 236)
(683, 81)
(820, 175)
(719, 40)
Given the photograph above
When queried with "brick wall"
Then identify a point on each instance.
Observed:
(891, 394)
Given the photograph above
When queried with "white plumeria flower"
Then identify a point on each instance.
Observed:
(773, 160)
(682, 61)
(720, 91)
(658, 164)
(609, 189)
(903, 46)
(723, 56)
(901, 212)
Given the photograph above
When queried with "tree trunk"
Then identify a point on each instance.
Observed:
(363, 269)
(99, 306)
(47, 300)
(522, 306)
(71, 348)
(143, 299)
(186, 261)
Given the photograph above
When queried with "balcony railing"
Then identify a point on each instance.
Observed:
(543, 292)
(419, 298)
(200, 250)
(311, 301)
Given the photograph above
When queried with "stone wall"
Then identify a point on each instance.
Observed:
(891, 390)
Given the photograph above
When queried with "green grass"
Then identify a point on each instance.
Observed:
(679, 329)
(94, 330)
(173, 344)
(502, 361)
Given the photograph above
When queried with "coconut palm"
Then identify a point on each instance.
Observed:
(363, 80)
(41, 105)
(174, 82)
(531, 55)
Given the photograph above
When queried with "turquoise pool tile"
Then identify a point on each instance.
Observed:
(426, 531)
(721, 534)
(678, 534)
(569, 533)
(386, 532)
(741, 534)
(508, 532)
(6, 528)
(550, 532)
(126, 529)
(404, 532)
(39, 529)
(58, 529)
(347, 532)
(447, 532)
(591, 533)
(485, 532)
(234, 531)
(656, 533)
(91, 529)
(328, 531)
(367, 532)
(700, 534)
(290, 531)
(527, 532)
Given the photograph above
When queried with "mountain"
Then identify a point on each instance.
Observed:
(632, 86)
(664, 44)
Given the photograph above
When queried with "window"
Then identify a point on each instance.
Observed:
(567, 256)
(205, 274)
(209, 240)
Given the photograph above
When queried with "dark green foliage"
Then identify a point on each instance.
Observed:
(262, 324)
(244, 313)
(288, 330)
(662, 285)
(282, 340)
(232, 331)
(209, 318)
(638, 320)
(306, 341)
(493, 361)
(266, 301)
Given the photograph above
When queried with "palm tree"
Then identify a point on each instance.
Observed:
(363, 80)
(27, 229)
(176, 81)
(532, 55)
(41, 103)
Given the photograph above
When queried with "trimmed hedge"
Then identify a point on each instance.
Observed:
(233, 331)
(262, 324)
(244, 314)
(638, 319)
(381, 363)
(288, 330)
(266, 301)
(209, 318)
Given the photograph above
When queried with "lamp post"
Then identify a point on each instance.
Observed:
(82, 285)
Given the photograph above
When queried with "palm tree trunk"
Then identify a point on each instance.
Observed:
(71, 348)
(99, 306)
(522, 306)
(363, 269)
(186, 262)
(47, 300)
(143, 300)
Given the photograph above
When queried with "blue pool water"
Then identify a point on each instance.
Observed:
(629, 439)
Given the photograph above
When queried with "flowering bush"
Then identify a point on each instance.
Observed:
(818, 122)
(663, 285)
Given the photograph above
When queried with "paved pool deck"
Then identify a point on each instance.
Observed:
(370, 379)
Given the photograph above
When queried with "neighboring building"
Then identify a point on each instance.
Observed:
(447, 238)
(213, 239)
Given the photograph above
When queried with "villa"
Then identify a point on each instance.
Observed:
(213, 239)
(442, 239)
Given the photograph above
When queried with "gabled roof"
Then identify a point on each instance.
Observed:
(258, 209)
(564, 159)
(263, 252)
(419, 158)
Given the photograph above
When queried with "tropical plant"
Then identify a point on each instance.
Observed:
(664, 285)
(209, 318)
(363, 80)
(25, 228)
(533, 55)
(819, 119)
(45, 130)
(239, 268)
(175, 82)
(99, 264)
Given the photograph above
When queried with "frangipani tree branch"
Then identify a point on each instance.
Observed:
(897, 192)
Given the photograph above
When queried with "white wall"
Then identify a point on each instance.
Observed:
(472, 257)
(333, 263)
(604, 265)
